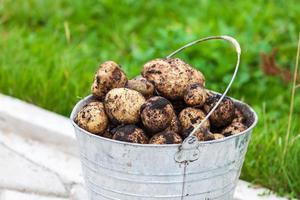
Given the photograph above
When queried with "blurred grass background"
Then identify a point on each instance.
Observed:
(51, 49)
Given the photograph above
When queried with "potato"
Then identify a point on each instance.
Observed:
(166, 137)
(107, 77)
(130, 133)
(141, 85)
(122, 105)
(156, 114)
(225, 112)
(171, 76)
(189, 118)
(92, 118)
(195, 95)
(233, 128)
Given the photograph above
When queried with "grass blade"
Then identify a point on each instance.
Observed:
(288, 131)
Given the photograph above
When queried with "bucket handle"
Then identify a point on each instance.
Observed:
(188, 151)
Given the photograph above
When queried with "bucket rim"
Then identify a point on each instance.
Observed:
(97, 137)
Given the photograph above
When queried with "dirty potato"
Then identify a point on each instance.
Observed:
(171, 76)
(92, 118)
(189, 118)
(166, 137)
(195, 95)
(122, 105)
(108, 76)
(156, 114)
(233, 128)
(130, 133)
(141, 85)
(225, 112)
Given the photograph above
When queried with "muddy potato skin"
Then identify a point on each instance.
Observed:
(130, 133)
(108, 76)
(233, 128)
(225, 112)
(92, 117)
(141, 85)
(189, 118)
(122, 105)
(166, 137)
(171, 76)
(156, 114)
(195, 95)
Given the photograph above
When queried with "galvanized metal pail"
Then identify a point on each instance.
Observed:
(115, 170)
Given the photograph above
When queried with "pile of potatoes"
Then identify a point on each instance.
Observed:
(162, 106)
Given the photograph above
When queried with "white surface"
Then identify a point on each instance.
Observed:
(34, 167)
(14, 195)
(38, 154)
(48, 156)
(17, 173)
(246, 191)
(34, 122)
(78, 193)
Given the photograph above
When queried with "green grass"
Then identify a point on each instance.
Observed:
(40, 65)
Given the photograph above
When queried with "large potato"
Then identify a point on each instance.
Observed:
(171, 76)
(123, 105)
(107, 77)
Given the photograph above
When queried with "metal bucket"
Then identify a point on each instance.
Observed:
(115, 170)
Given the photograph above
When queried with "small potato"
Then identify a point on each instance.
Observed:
(92, 118)
(141, 85)
(166, 137)
(122, 105)
(190, 118)
(130, 133)
(156, 114)
(225, 112)
(171, 76)
(233, 128)
(195, 95)
(107, 77)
